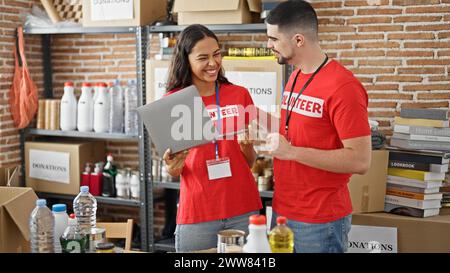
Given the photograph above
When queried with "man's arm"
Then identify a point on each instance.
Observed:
(354, 157)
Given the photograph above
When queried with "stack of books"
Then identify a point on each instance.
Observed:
(414, 181)
(445, 189)
(422, 129)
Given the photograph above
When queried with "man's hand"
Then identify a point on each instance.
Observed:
(279, 147)
(175, 162)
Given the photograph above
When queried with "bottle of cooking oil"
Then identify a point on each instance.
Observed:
(281, 237)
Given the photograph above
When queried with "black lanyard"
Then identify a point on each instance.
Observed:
(289, 113)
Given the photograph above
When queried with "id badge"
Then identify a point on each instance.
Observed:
(218, 168)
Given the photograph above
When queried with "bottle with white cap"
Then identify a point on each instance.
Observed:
(68, 111)
(85, 121)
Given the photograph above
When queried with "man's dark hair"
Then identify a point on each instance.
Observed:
(293, 15)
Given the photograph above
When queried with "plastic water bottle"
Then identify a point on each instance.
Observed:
(116, 115)
(73, 241)
(257, 241)
(281, 237)
(42, 224)
(101, 110)
(134, 186)
(85, 208)
(61, 222)
(85, 121)
(131, 103)
(68, 117)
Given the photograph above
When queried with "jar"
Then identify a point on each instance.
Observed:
(105, 248)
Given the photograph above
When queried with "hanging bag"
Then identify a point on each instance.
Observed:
(23, 96)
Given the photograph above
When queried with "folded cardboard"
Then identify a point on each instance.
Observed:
(56, 167)
(217, 11)
(368, 191)
(413, 234)
(123, 13)
(16, 205)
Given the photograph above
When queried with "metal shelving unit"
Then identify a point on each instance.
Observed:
(100, 199)
(145, 203)
(146, 194)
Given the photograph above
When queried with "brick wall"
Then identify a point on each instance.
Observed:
(399, 49)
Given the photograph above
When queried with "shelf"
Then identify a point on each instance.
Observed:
(100, 199)
(77, 134)
(235, 28)
(77, 30)
(176, 186)
(165, 245)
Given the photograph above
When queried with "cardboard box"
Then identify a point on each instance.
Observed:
(156, 78)
(263, 78)
(413, 234)
(16, 205)
(56, 167)
(368, 191)
(123, 13)
(217, 11)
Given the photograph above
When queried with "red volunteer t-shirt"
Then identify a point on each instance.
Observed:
(202, 199)
(331, 109)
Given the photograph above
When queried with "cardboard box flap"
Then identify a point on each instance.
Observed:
(21, 199)
(205, 5)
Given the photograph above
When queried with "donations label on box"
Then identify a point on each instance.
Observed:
(369, 239)
(50, 166)
(261, 85)
(102, 10)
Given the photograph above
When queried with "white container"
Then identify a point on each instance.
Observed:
(85, 121)
(101, 110)
(61, 223)
(134, 186)
(116, 115)
(257, 241)
(68, 116)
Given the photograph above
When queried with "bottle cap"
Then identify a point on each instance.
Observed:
(84, 189)
(281, 220)
(110, 84)
(59, 208)
(257, 219)
(68, 84)
(41, 202)
(86, 84)
(101, 84)
(72, 216)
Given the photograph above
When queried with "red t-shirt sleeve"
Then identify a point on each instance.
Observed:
(348, 111)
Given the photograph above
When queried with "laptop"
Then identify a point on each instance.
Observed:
(179, 121)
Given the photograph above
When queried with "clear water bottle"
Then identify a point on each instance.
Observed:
(61, 222)
(85, 208)
(131, 103)
(257, 241)
(68, 111)
(116, 110)
(42, 224)
(281, 237)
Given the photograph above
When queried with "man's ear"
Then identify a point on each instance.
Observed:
(299, 40)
